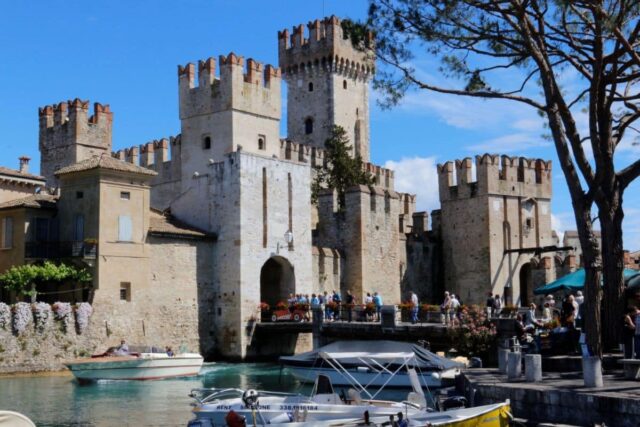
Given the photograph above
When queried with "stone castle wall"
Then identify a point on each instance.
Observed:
(506, 207)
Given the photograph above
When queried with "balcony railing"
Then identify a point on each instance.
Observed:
(46, 250)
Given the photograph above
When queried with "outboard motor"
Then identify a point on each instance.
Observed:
(250, 398)
(455, 402)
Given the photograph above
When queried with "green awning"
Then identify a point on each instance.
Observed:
(574, 282)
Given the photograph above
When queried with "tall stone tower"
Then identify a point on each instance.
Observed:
(327, 84)
(68, 136)
(506, 207)
(237, 111)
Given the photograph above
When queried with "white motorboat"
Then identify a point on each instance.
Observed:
(214, 406)
(146, 364)
(373, 364)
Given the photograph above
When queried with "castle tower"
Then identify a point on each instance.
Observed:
(327, 84)
(507, 207)
(68, 135)
(239, 110)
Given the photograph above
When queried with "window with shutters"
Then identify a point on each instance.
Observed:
(125, 229)
(7, 233)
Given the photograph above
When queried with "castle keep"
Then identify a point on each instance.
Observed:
(186, 235)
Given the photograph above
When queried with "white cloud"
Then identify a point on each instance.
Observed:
(417, 175)
(561, 222)
(509, 143)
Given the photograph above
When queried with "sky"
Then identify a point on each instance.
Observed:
(125, 53)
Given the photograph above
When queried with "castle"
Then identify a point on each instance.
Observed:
(186, 235)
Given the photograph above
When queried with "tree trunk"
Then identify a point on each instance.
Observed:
(613, 273)
(593, 274)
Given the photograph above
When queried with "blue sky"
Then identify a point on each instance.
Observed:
(125, 53)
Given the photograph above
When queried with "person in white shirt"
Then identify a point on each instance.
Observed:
(455, 306)
(414, 308)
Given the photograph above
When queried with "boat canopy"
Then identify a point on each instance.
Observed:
(348, 352)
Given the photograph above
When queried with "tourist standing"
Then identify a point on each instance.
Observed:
(629, 331)
(444, 308)
(328, 312)
(490, 304)
(497, 305)
(579, 301)
(546, 313)
(350, 301)
(414, 307)
(569, 312)
(377, 300)
(455, 307)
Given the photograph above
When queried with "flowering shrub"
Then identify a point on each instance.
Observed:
(263, 306)
(509, 310)
(474, 335)
(83, 312)
(430, 308)
(301, 306)
(332, 305)
(5, 315)
(407, 305)
(62, 311)
(41, 315)
(22, 316)
(281, 305)
(369, 308)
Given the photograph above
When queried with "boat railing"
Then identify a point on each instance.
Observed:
(208, 395)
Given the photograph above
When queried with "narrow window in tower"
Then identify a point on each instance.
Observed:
(206, 142)
(308, 126)
(264, 208)
(344, 84)
(310, 87)
(261, 142)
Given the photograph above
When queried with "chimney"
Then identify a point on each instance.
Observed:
(24, 164)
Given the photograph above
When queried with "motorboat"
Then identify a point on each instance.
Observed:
(14, 419)
(231, 407)
(214, 406)
(140, 363)
(374, 364)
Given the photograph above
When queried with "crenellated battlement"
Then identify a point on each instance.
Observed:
(322, 47)
(67, 134)
(254, 88)
(496, 175)
(306, 153)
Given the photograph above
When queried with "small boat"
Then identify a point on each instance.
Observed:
(141, 363)
(374, 363)
(213, 406)
(14, 419)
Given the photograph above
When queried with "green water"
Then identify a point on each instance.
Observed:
(61, 401)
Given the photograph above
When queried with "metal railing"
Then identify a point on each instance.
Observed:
(53, 250)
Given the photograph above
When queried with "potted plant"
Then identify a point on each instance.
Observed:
(265, 311)
(430, 313)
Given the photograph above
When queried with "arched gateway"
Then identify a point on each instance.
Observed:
(277, 280)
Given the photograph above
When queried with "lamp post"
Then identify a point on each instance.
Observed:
(288, 237)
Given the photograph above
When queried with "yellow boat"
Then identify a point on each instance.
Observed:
(494, 415)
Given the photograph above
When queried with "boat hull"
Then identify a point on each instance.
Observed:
(135, 368)
(367, 379)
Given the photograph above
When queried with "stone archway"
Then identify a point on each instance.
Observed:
(526, 285)
(277, 280)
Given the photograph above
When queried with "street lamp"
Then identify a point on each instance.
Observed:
(288, 237)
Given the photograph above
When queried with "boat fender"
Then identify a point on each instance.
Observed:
(250, 398)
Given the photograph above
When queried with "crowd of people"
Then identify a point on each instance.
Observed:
(332, 304)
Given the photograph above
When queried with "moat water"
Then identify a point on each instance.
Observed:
(61, 401)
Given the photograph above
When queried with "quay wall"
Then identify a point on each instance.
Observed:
(616, 406)
(178, 316)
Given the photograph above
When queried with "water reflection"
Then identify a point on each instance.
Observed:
(61, 401)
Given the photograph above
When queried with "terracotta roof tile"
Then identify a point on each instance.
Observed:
(166, 225)
(35, 201)
(18, 174)
(104, 161)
